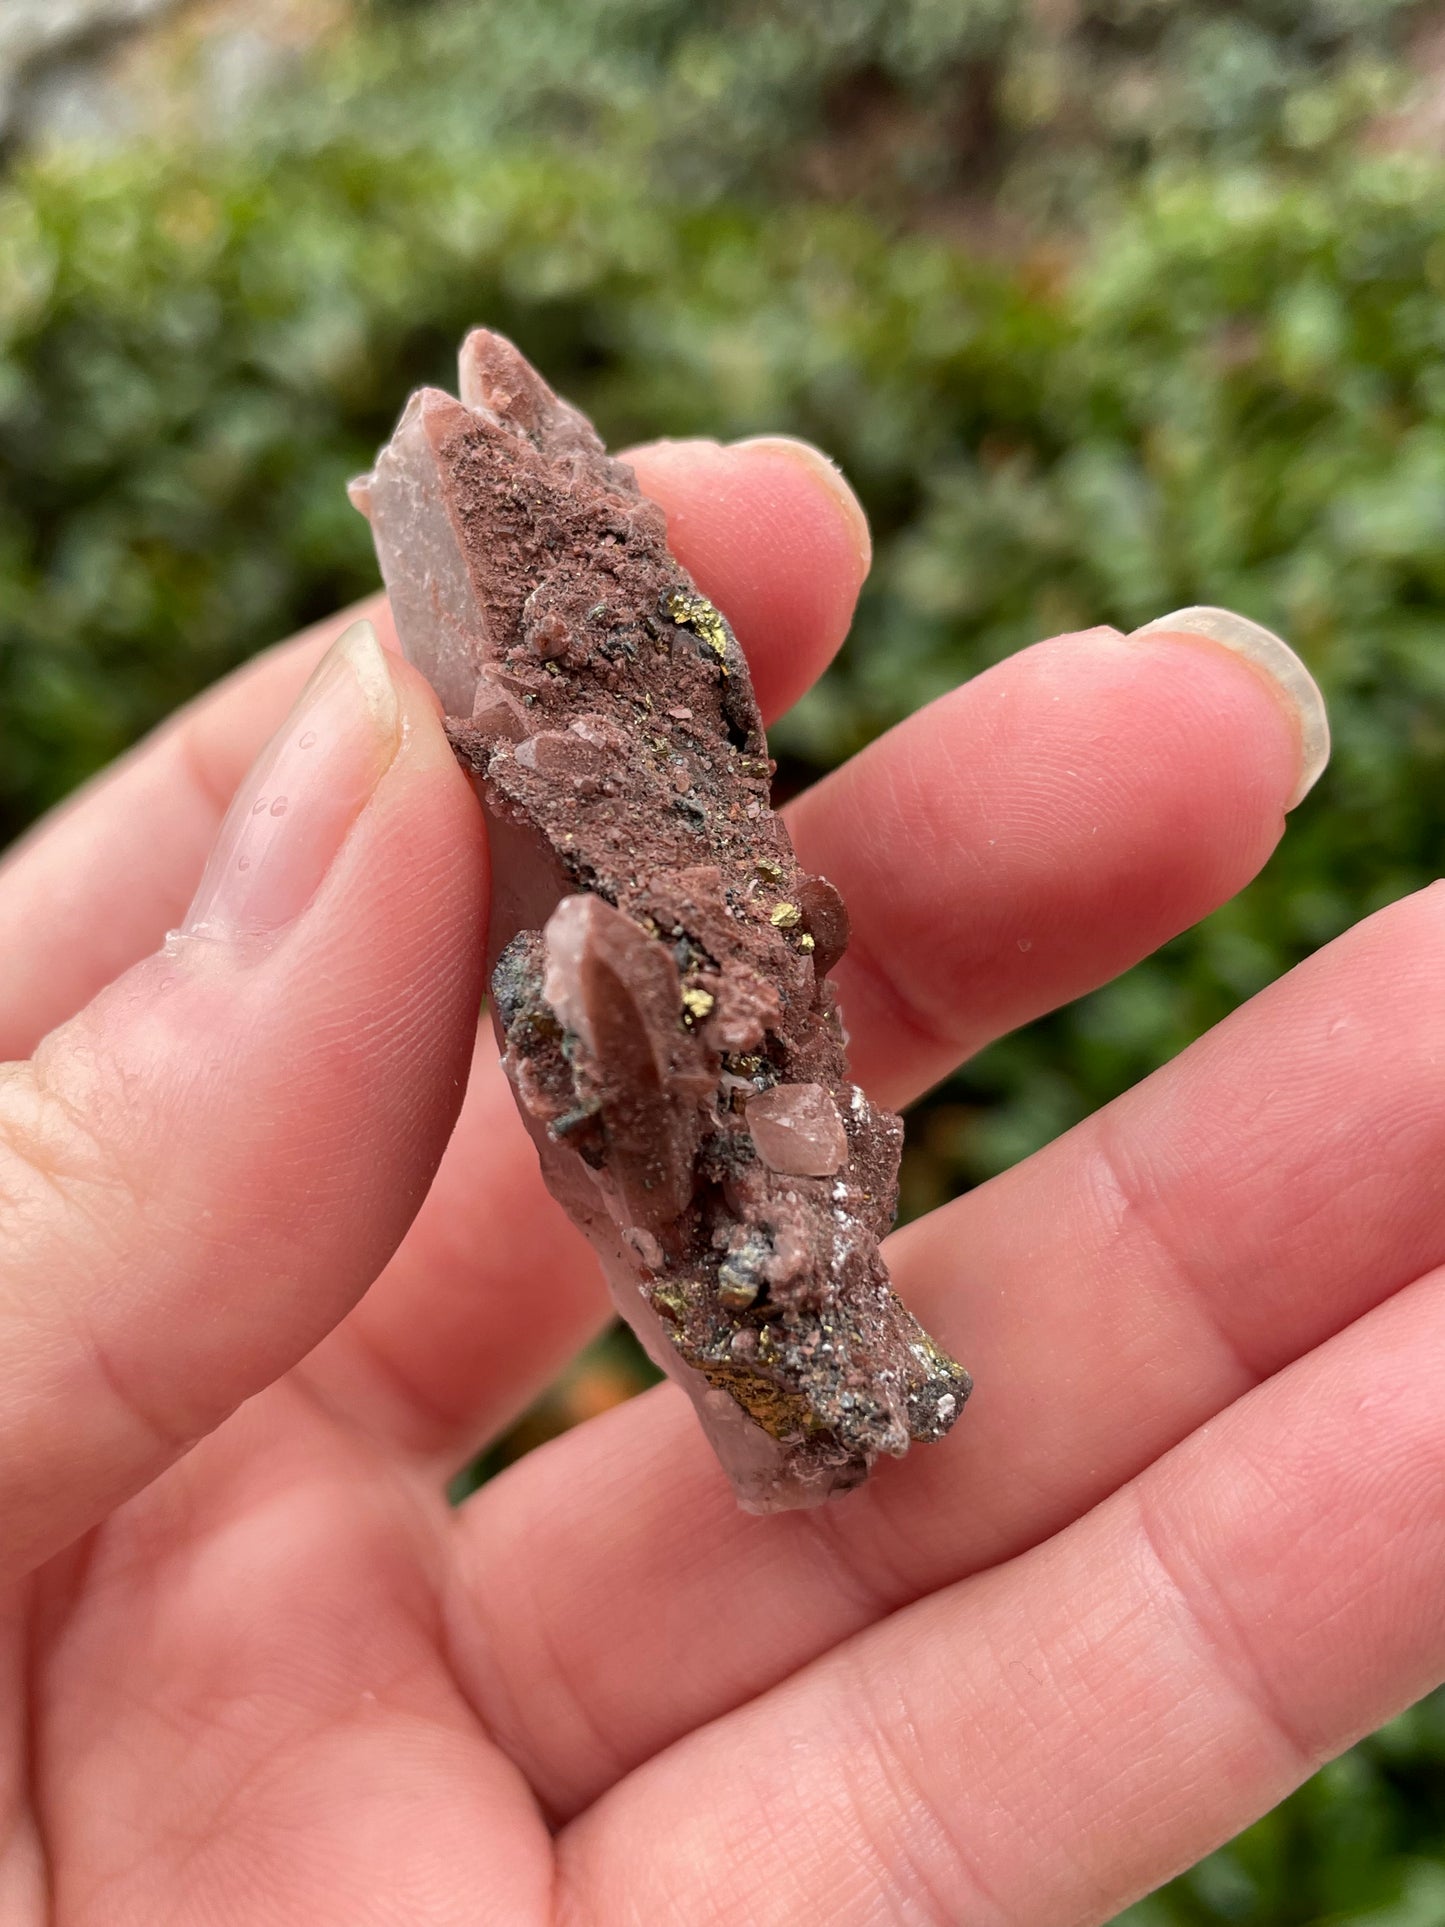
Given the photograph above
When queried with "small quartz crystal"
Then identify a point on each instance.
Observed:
(659, 961)
(796, 1129)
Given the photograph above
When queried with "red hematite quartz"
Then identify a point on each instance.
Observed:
(796, 1129)
(658, 960)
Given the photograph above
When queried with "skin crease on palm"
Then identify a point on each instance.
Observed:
(258, 1296)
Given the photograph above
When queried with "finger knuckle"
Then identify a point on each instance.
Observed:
(54, 1143)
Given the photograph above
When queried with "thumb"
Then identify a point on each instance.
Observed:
(203, 1171)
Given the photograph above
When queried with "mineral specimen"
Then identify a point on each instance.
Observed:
(658, 959)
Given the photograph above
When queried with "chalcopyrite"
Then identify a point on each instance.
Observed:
(659, 962)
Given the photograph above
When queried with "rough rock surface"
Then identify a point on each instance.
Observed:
(659, 960)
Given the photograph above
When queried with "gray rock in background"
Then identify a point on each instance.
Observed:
(101, 73)
(41, 39)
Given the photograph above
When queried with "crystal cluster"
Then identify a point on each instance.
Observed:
(658, 959)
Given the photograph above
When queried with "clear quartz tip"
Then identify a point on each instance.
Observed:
(1272, 656)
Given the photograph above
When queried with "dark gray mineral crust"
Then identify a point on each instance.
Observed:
(658, 959)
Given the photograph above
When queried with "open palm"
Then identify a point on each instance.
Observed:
(1186, 1543)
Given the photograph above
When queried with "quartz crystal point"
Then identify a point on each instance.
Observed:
(658, 959)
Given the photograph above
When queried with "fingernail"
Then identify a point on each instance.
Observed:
(1278, 663)
(291, 815)
(832, 478)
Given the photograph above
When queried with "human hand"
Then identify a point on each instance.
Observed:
(1185, 1543)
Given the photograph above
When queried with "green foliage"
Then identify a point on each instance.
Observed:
(1238, 401)
(894, 102)
(1102, 319)
(1360, 1844)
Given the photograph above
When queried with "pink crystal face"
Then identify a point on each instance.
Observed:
(796, 1129)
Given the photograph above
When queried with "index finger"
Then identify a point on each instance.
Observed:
(769, 529)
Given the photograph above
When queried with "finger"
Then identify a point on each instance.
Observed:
(1272, 1184)
(97, 885)
(206, 1167)
(1086, 799)
(1047, 1741)
(1035, 832)
(771, 532)
(493, 1292)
